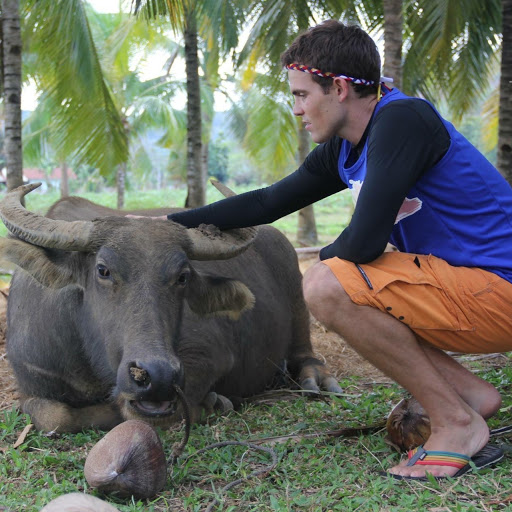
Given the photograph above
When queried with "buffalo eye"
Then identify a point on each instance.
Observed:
(183, 279)
(103, 271)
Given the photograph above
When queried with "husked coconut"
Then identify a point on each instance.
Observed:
(78, 502)
(408, 425)
(128, 460)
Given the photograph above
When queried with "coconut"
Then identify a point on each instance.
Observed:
(408, 425)
(128, 460)
(78, 502)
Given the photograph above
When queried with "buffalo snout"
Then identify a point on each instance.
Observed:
(149, 386)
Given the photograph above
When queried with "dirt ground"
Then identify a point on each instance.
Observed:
(7, 384)
(341, 359)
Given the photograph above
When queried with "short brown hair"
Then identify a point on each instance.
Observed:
(337, 48)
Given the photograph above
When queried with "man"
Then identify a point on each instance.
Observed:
(423, 187)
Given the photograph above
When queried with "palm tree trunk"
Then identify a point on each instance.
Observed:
(195, 184)
(121, 183)
(64, 184)
(306, 229)
(504, 161)
(12, 91)
(393, 24)
(204, 163)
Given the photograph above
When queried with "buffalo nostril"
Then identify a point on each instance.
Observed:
(140, 376)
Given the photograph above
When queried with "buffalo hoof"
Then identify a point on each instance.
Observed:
(223, 404)
(330, 384)
(214, 402)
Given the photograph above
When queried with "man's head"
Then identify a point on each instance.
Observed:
(333, 47)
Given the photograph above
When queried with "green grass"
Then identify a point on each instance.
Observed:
(312, 474)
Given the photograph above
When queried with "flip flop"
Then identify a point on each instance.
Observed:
(487, 456)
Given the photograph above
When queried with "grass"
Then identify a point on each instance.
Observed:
(313, 474)
(322, 473)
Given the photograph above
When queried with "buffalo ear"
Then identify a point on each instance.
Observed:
(54, 269)
(218, 296)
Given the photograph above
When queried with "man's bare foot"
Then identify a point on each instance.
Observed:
(465, 439)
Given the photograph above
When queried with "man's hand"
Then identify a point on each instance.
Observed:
(161, 217)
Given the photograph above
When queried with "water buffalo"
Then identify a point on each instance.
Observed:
(109, 314)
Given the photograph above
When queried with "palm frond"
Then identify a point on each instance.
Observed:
(153, 9)
(271, 135)
(86, 121)
(490, 114)
(453, 50)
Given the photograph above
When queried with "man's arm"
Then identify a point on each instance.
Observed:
(315, 179)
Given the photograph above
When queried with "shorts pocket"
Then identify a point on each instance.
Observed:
(403, 267)
(409, 289)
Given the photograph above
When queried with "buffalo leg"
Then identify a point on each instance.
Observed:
(51, 415)
(306, 369)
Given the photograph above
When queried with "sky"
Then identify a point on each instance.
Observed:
(109, 5)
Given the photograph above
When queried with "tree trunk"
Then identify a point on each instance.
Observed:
(504, 160)
(121, 178)
(393, 25)
(12, 91)
(204, 164)
(64, 185)
(195, 184)
(306, 229)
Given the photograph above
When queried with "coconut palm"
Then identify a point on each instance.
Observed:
(62, 58)
(141, 105)
(202, 23)
(392, 19)
(196, 195)
(11, 73)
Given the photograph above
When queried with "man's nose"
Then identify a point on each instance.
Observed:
(297, 109)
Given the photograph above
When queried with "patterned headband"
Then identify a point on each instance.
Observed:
(325, 74)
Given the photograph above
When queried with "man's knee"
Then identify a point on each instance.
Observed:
(323, 293)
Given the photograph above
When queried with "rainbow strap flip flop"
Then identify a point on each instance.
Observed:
(487, 456)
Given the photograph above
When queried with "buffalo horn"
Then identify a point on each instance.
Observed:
(210, 243)
(38, 230)
(223, 189)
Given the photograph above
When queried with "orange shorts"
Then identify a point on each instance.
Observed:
(460, 309)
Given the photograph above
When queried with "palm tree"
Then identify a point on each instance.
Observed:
(199, 22)
(86, 126)
(196, 195)
(140, 105)
(11, 73)
(393, 27)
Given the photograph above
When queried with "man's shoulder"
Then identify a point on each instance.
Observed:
(409, 112)
(407, 106)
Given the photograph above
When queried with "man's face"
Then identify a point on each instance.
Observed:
(320, 112)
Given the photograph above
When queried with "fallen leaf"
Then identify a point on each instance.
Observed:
(22, 436)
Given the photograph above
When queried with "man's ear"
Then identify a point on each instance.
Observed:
(342, 88)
